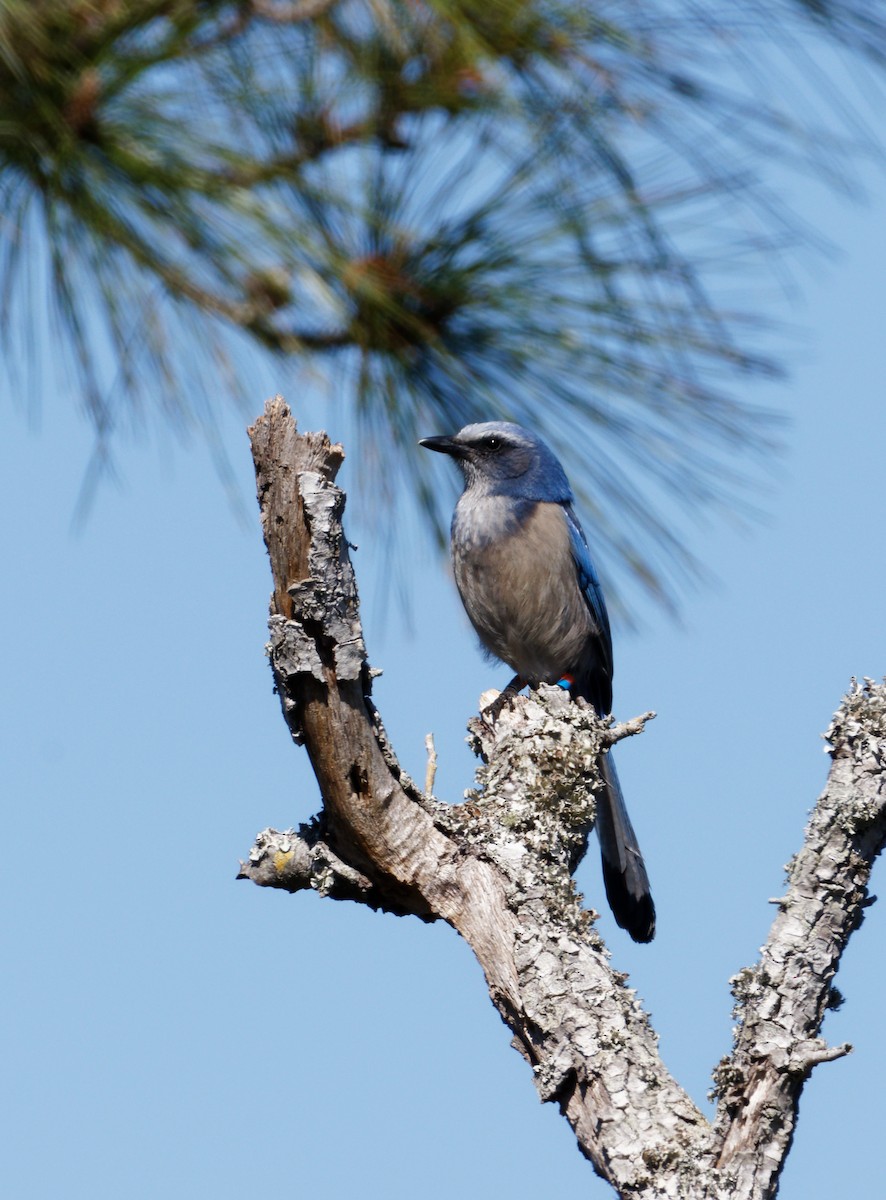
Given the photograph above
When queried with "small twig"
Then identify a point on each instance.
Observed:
(625, 729)
(809, 1054)
(431, 769)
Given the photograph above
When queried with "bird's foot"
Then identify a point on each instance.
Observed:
(489, 714)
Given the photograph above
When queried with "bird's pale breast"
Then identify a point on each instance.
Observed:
(511, 574)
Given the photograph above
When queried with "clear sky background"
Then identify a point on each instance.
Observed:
(171, 1032)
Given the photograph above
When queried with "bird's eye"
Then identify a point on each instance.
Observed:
(491, 443)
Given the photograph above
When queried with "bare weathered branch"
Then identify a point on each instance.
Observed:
(782, 1000)
(499, 869)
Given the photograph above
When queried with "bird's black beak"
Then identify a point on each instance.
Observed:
(444, 445)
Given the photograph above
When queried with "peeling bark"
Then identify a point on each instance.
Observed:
(499, 869)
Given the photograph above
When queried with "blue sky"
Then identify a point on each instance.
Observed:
(173, 1033)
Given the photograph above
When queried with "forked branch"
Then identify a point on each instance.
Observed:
(499, 867)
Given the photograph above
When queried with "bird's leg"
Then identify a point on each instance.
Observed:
(491, 711)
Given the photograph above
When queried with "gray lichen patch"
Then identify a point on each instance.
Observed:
(859, 724)
(533, 804)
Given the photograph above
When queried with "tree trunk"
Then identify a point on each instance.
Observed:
(499, 868)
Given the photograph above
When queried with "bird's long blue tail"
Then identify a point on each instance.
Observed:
(624, 872)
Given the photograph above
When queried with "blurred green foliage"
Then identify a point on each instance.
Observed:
(449, 210)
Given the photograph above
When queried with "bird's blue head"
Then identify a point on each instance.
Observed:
(498, 458)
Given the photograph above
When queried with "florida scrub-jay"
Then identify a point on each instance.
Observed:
(525, 576)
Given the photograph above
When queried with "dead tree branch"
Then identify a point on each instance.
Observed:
(781, 1001)
(499, 868)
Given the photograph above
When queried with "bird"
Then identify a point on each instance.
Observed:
(530, 589)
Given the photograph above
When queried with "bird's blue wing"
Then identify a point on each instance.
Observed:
(588, 580)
